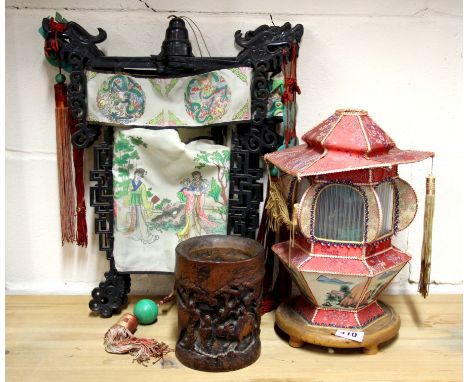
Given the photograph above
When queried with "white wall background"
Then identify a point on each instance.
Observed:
(399, 59)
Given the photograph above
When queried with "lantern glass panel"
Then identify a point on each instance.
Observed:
(385, 194)
(339, 214)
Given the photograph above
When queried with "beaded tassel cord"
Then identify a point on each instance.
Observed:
(119, 339)
(65, 164)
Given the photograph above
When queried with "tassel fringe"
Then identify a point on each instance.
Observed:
(278, 213)
(426, 250)
(81, 225)
(277, 209)
(119, 339)
(65, 165)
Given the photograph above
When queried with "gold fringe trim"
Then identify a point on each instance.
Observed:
(277, 209)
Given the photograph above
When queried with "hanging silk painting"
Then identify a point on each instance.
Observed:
(165, 191)
(219, 96)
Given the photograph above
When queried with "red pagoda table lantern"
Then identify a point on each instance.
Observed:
(342, 198)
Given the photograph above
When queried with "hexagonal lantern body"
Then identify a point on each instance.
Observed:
(348, 202)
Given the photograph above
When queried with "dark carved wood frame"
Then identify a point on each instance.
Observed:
(263, 49)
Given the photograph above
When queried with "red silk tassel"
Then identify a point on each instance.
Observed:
(64, 163)
(81, 226)
(291, 88)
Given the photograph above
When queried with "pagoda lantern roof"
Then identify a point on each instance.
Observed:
(347, 140)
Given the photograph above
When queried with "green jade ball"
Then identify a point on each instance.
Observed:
(60, 78)
(146, 311)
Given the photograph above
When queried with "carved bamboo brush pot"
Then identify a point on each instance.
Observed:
(219, 289)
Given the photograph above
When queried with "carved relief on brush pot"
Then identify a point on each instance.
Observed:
(219, 289)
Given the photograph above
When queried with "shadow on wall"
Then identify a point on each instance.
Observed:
(85, 265)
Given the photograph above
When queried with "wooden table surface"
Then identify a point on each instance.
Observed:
(56, 338)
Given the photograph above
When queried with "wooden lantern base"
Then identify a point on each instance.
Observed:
(300, 331)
